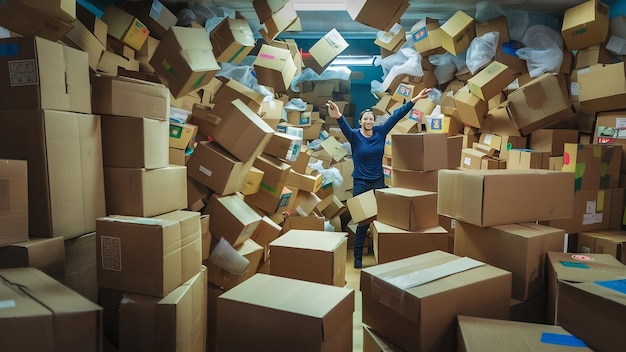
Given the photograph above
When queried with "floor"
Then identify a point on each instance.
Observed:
(353, 277)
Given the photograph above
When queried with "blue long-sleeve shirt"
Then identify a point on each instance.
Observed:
(367, 152)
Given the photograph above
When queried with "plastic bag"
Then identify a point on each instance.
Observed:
(488, 10)
(308, 74)
(481, 51)
(387, 37)
(328, 175)
(315, 144)
(242, 73)
(295, 104)
(447, 65)
(542, 50)
(406, 62)
(328, 227)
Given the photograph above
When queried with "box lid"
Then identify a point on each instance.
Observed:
(309, 239)
(579, 267)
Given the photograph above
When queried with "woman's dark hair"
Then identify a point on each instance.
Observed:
(363, 113)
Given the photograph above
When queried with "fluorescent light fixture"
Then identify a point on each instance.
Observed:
(320, 5)
(353, 60)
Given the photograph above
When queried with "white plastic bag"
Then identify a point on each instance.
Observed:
(542, 50)
(447, 65)
(328, 175)
(481, 51)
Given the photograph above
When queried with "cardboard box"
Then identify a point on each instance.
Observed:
(574, 267)
(372, 342)
(375, 14)
(266, 8)
(157, 18)
(491, 80)
(37, 73)
(45, 254)
(125, 27)
(334, 148)
(185, 60)
(271, 112)
(190, 240)
(445, 124)
(182, 136)
(182, 317)
(145, 192)
(602, 88)
(278, 22)
(274, 68)
(121, 96)
(225, 279)
(275, 174)
(217, 169)
(81, 266)
(607, 241)
(270, 203)
(285, 146)
(606, 132)
(308, 255)
(392, 243)
(64, 156)
(325, 50)
(388, 291)
(472, 159)
(139, 255)
(252, 182)
(539, 103)
(500, 197)
(14, 177)
(585, 25)
(134, 142)
(363, 208)
(80, 37)
(552, 140)
(587, 161)
(391, 40)
(407, 209)
(592, 211)
(491, 335)
(457, 33)
(49, 19)
(65, 320)
(419, 152)
(472, 109)
(237, 219)
(427, 36)
(593, 55)
(528, 159)
(265, 233)
(518, 248)
(304, 182)
(418, 180)
(280, 313)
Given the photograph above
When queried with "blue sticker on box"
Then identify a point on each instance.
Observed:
(615, 285)
(562, 339)
(575, 265)
(420, 34)
(10, 49)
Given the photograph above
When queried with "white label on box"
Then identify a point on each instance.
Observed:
(23, 73)
(206, 171)
(589, 219)
(7, 303)
(272, 105)
(574, 88)
(467, 161)
(583, 71)
(335, 40)
(488, 138)
(591, 207)
(111, 250)
(453, 223)
(437, 272)
(513, 85)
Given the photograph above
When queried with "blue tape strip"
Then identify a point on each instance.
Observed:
(11, 49)
(561, 339)
(616, 285)
(575, 265)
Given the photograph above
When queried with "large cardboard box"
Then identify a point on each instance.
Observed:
(602, 88)
(251, 251)
(603, 241)
(232, 40)
(363, 208)
(392, 243)
(419, 152)
(585, 25)
(154, 15)
(81, 267)
(185, 60)
(604, 305)
(577, 267)
(309, 255)
(51, 317)
(45, 254)
(491, 335)
(237, 220)
(457, 33)
(407, 209)
(178, 321)
(414, 302)
(40, 74)
(592, 211)
(279, 20)
(145, 192)
(125, 27)
(375, 14)
(242, 132)
(217, 169)
(134, 142)
(46, 19)
(283, 314)
(552, 140)
(518, 248)
(325, 50)
(596, 166)
(420, 180)
(14, 214)
(500, 197)
(65, 173)
(123, 96)
(527, 159)
(538, 104)
(139, 255)
(274, 68)
(491, 80)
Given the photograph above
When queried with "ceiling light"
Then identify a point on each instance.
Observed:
(320, 5)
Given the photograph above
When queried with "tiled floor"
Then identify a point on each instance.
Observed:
(353, 278)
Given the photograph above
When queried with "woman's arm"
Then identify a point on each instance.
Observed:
(400, 112)
(333, 111)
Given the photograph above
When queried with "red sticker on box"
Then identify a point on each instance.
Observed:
(267, 56)
(566, 158)
(582, 257)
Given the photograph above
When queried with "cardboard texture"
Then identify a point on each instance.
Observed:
(406, 208)
(325, 50)
(215, 168)
(125, 27)
(80, 266)
(80, 37)
(237, 219)
(491, 80)
(500, 197)
(14, 210)
(592, 211)
(49, 19)
(602, 88)
(265, 233)
(393, 243)
(65, 320)
(315, 256)
(585, 25)
(223, 278)
(375, 14)
(527, 159)
(419, 180)
(363, 208)
(65, 173)
(400, 309)
(36, 75)
(586, 161)
(457, 33)
(45, 254)
(274, 67)
(232, 40)
(285, 314)
(157, 18)
(419, 152)
(607, 241)
(275, 174)
(552, 140)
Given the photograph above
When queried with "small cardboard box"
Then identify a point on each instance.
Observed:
(275, 173)
(363, 208)
(611, 242)
(253, 181)
(315, 256)
(602, 88)
(274, 68)
(585, 25)
(491, 80)
(278, 313)
(279, 21)
(270, 203)
(392, 243)
(427, 37)
(125, 27)
(182, 136)
(407, 209)
(472, 109)
(285, 146)
(458, 32)
(217, 169)
(237, 220)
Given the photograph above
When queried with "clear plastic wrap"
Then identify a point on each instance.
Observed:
(308, 74)
(328, 175)
(481, 51)
(542, 50)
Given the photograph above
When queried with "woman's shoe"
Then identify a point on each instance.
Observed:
(358, 263)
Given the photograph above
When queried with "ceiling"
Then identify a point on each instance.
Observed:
(316, 18)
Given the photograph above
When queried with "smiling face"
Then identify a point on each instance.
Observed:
(367, 120)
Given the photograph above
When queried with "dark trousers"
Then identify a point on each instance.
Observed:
(362, 186)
